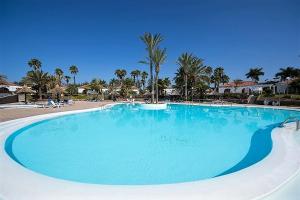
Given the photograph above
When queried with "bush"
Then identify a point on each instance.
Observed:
(268, 92)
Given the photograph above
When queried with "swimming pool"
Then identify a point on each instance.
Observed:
(126, 145)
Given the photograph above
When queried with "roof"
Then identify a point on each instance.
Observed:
(240, 84)
(25, 90)
(6, 83)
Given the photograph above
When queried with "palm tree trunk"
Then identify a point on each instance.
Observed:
(151, 81)
(40, 93)
(185, 86)
(74, 79)
(156, 84)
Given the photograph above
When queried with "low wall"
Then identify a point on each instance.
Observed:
(9, 99)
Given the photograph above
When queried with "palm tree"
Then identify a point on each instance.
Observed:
(67, 79)
(219, 77)
(159, 57)
(138, 73)
(97, 85)
(59, 74)
(112, 85)
(289, 72)
(163, 84)
(120, 73)
(255, 73)
(35, 64)
(198, 72)
(74, 70)
(198, 77)
(133, 75)
(185, 62)
(151, 42)
(144, 77)
(39, 79)
(127, 87)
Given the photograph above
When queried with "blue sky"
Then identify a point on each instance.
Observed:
(101, 36)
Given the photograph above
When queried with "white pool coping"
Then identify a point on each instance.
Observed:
(254, 182)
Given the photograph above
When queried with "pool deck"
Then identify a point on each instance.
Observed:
(16, 113)
(276, 177)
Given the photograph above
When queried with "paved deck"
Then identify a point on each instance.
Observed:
(16, 113)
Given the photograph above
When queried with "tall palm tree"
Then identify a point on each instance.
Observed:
(74, 70)
(138, 74)
(67, 79)
(59, 74)
(133, 75)
(255, 73)
(35, 64)
(120, 73)
(144, 77)
(151, 42)
(289, 72)
(159, 57)
(185, 62)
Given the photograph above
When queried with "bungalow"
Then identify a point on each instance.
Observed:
(246, 87)
(7, 88)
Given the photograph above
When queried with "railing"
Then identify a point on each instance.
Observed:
(291, 119)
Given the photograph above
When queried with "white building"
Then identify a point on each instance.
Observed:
(170, 91)
(246, 87)
(80, 90)
(8, 89)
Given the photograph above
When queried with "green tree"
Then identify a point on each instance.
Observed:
(195, 77)
(120, 73)
(113, 83)
(288, 72)
(185, 62)
(38, 79)
(59, 75)
(74, 70)
(126, 88)
(67, 79)
(151, 42)
(134, 75)
(97, 85)
(219, 77)
(159, 57)
(35, 64)
(163, 84)
(255, 73)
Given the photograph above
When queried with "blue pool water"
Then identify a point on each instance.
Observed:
(126, 145)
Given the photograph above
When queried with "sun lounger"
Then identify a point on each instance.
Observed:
(52, 104)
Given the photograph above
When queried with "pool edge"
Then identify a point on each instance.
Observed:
(175, 191)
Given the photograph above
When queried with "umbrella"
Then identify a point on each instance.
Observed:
(25, 90)
(57, 90)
